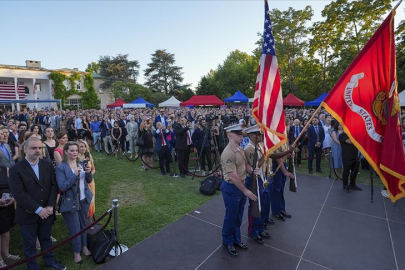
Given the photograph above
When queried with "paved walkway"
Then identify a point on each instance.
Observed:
(328, 230)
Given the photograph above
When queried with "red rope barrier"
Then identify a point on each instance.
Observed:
(62, 242)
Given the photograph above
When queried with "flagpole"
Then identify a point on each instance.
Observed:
(395, 8)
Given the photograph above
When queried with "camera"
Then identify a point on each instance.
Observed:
(209, 117)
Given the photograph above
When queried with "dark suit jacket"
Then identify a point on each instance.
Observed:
(158, 139)
(291, 134)
(31, 193)
(312, 136)
(68, 181)
(181, 137)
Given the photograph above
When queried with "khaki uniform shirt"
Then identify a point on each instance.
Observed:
(249, 153)
(233, 160)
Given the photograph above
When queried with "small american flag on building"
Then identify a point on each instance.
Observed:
(268, 100)
(35, 89)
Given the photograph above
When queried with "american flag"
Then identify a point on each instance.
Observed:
(7, 91)
(268, 100)
(35, 89)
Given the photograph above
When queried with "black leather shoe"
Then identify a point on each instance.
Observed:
(241, 246)
(182, 175)
(265, 235)
(346, 189)
(320, 171)
(280, 217)
(231, 250)
(189, 174)
(270, 221)
(285, 214)
(264, 226)
(258, 239)
(354, 187)
(311, 172)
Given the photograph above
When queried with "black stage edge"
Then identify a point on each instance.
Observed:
(329, 229)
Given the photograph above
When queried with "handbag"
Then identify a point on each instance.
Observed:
(139, 141)
(103, 245)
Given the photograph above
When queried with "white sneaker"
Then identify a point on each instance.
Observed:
(129, 152)
(203, 173)
(385, 193)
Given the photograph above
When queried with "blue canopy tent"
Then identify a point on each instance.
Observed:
(138, 103)
(317, 101)
(238, 96)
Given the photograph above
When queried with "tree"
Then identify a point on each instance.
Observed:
(290, 34)
(354, 23)
(93, 67)
(162, 75)
(400, 41)
(115, 69)
(237, 72)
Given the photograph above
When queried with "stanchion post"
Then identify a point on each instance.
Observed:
(115, 209)
(330, 163)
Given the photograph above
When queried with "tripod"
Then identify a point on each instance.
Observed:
(208, 130)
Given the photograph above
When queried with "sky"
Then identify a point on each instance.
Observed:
(71, 34)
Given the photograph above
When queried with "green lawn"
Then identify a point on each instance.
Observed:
(148, 203)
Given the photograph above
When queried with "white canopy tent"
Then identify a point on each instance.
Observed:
(171, 102)
(402, 98)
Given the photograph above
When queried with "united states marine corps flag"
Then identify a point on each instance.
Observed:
(365, 101)
(268, 100)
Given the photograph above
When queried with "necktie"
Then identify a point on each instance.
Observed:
(296, 132)
(163, 138)
(188, 138)
(317, 133)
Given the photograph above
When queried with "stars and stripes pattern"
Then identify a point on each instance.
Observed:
(7, 91)
(268, 100)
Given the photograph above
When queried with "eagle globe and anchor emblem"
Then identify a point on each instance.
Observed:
(380, 106)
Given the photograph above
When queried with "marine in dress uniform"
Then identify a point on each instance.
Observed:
(277, 195)
(256, 224)
(234, 192)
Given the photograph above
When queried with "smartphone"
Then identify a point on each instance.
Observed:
(86, 159)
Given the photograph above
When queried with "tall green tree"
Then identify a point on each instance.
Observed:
(118, 68)
(290, 33)
(354, 24)
(162, 75)
(400, 42)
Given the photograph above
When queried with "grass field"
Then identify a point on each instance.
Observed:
(148, 202)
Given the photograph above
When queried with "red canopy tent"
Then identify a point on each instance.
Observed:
(118, 103)
(210, 100)
(291, 100)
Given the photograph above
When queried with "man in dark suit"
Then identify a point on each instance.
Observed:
(316, 135)
(162, 118)
(182, 145)
(33, 185)
(293, 133)
(122, 123)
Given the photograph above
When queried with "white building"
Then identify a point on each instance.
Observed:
(37, 86)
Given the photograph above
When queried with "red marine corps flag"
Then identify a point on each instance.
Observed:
(268, 101)
(365, 101)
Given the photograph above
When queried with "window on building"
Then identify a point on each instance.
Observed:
(74, 102)
(78, 85)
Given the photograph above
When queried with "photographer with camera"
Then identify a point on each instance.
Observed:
(202, 140)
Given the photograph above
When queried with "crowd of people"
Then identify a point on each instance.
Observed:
(36, 142)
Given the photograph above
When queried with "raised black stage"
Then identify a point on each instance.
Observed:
(328, 230)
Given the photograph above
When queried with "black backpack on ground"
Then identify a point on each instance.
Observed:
(209, 186)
